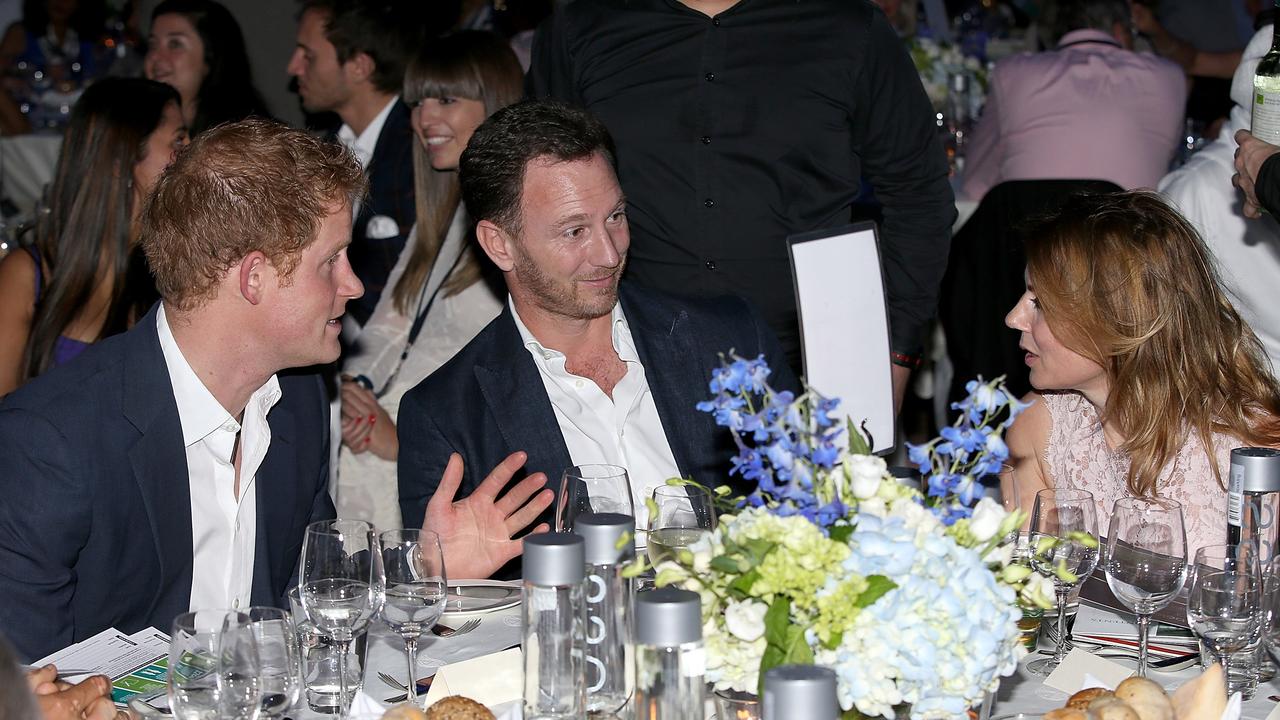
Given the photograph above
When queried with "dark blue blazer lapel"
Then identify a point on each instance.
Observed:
(159, 462)
(671, 367)
(519, 405)
(276, 488)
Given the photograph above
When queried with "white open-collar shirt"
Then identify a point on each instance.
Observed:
(625, 430)
(223, 526)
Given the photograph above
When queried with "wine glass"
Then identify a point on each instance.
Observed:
(682, 514)
(1146, 559)
(280, 658)
(340, 584)
(592, 488)
(197, 689)
(239, 671)
(1224, 602)
(416, 590)
(1064, 547)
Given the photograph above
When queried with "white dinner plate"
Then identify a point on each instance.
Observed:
(476, 597)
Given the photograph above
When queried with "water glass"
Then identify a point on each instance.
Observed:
(197, 690)
(416, 590)
(681, 515)
(278, 653)
(1224, 607)
(341, 583)
(319, 662)
(592, 489)
(1064, 547)
(1146, 559)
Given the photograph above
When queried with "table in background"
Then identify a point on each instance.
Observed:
(27, 163)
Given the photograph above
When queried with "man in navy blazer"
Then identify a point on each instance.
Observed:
(539, 178)
(111, 468)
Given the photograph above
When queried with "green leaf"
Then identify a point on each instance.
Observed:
(877, 586)
(859, 443)
(725, 564)
(785, 643)
(744, 582)
(841, 533)
(757, 550)
(834, 641)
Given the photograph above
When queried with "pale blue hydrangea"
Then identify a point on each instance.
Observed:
(939, 640)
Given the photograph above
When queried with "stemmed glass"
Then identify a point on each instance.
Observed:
(1224, 601)
(213, 666)
(340, 584)
(1146, 559)
(416, 589)
(681, 515)
(280, 658)
(592, 489)
(1064, 547)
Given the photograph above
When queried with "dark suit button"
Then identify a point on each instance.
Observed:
(706, 139)
(709, 202)
(711, 264)
(710, 77)
(715, 21)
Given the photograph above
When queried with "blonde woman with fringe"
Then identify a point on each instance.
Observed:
(441, 294)
(1146, 377)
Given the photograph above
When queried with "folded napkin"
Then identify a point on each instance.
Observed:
(489, 679)
(364, 707)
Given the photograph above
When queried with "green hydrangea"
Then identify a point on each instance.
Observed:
(834, 613)
(801, 561)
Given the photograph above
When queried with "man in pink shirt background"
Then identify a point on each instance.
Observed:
(1091, 108)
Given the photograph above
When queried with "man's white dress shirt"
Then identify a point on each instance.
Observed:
(624, 430)
(223, 525)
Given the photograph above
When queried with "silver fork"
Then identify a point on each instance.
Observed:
(445, 631)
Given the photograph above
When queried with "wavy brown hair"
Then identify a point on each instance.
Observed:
(471, 64)
(1124, 280)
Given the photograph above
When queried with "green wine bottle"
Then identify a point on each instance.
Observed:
(1265, 124)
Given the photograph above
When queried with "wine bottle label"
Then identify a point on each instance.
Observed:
(1235, 496)
(1265, 123)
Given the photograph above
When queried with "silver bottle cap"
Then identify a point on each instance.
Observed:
(667, 617)
(552, 559)
(610, 537)
(800, 691)
(1261, 468)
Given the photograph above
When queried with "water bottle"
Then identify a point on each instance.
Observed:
(554, 619)
(800, 691)
(670, 659)
(1253, 497)
(610, 544)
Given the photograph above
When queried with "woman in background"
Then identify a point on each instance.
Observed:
(439, 297)
(85, 277)
(1146, 377)
(197, 47)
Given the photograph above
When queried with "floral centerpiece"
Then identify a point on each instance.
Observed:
(911, 597)
(937, 61)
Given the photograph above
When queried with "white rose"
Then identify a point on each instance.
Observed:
(986, 520)
(865, 473)
(745, 620)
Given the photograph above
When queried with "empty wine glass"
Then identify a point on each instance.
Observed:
(1064, 547)
(340, 584)
(592, 489)
(1146, 559)
(197, 688)
(1224, 596)
(681, 515)
(280, 658)
(416, 589)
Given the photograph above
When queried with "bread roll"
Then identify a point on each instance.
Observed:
(1111, 708)
(1081, 700)
(408, 711)
(1066, 714)
(457, 707)
(1203, 698)
(1146, 697)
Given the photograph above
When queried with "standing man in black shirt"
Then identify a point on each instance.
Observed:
(740, 122)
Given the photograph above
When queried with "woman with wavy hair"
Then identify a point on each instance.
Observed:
(442, 287)
(1146, 377)
(85, 277)
(197, 47)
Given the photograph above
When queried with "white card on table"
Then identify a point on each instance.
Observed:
(1069, 677)
(489, 679)
(844, 324)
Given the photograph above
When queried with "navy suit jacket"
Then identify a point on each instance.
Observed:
(390, 174)
(95, 522)
(489, 400)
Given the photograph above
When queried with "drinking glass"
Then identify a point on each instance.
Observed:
(1224, 601)
(685, 513)
(280, 658)
(1146, 559)
(239, 672)
(592, 489)
(196, 688)
(340, 584)
(1062, 523)
(416, 590)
